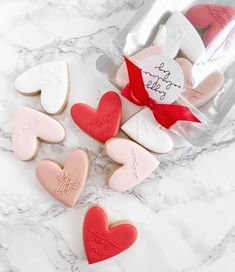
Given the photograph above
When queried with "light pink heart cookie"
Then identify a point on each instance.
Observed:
(136, 163)
(65, 184)
(121, 78)
(31, 125)
(203, 92)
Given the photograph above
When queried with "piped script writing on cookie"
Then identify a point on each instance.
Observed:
(103, 123)
(66, 183)
(103, 241)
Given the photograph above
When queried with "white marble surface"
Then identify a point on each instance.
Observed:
(184, 211)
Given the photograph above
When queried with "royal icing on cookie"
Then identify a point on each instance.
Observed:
(31, 125)
(103, 123)
(181, 35)
(50, 80)
(205, 90)
(103, 241)
(121, 78)
(65, 184)
(143, 129)
(136, 163)
(211, 16)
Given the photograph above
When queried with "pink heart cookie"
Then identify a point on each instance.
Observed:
(203, 92)
(31, 125)
(65, 184)
(136, 163)
(211, 16)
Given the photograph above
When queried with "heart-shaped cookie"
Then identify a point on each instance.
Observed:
(103, 123)
(205, 90)
(136, 163)
(31, 125)
(103, 241)
(49, 79)
(181, 35)
(212, 17)
(65, 184)
(144, 129)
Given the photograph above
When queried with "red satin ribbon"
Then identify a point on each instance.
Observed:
(165, 114)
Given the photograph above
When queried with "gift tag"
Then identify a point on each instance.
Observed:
(163, 78)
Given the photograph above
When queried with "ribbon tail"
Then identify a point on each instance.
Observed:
(127, 93)
(137, 87)
(168, 115)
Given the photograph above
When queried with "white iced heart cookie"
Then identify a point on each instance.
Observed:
(144, 129)
(181, 35)
(51, 80)
(31, 125)
(163, 78)
(136, 163)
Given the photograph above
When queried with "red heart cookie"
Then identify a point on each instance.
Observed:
(102, 124)
(211, 16)
(67, 184)
(103, 241)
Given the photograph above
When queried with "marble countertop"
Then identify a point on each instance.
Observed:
(184, 211)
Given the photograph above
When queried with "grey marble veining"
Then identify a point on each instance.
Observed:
(184, 211)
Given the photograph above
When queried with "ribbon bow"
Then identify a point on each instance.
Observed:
(165, 114)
